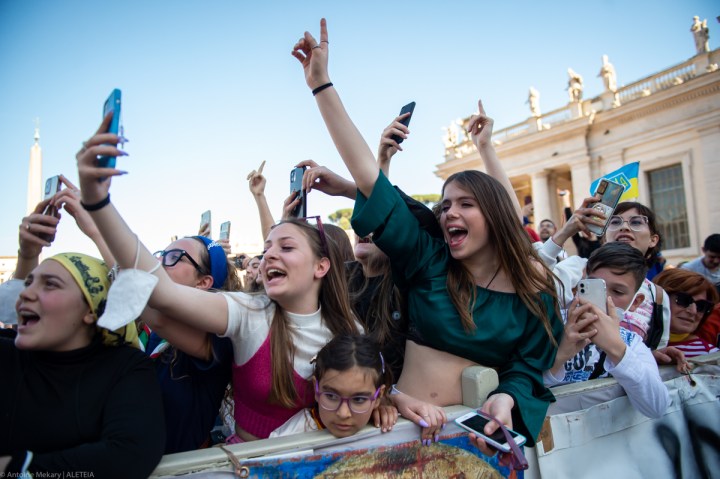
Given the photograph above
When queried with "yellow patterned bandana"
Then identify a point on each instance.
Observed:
(91, 275)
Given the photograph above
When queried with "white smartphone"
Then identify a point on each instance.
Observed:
(475, 422)
(225, 231)
(610, 193)
(593, 290)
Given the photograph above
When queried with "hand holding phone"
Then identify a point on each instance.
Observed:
(225, 231)
(593, 290)
(53, 185)
(409, 108)
(206, 224)
(296, 185)
(610, 196)
(475, 422)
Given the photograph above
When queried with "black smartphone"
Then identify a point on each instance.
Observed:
(409, 108)
(610, 193)
(296, 176)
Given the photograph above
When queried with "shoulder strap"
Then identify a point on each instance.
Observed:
(654, 334)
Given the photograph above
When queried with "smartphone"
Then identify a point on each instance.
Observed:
(594, 291)
(52, 186)
(206, 218)
(112, 104)
(475, 422)
(409, 108)
(225, 231)
(610, 196)
(296, 176)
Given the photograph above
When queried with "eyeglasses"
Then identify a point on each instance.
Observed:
(332, 402)
(635, 223)
(172, 256)
(685, 300)
(321, 230)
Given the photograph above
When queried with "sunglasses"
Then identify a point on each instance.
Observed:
(171, 257)
(685, 300)
(332, 402)
(635, 223)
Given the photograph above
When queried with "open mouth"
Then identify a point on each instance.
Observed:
(624, 239)
(274, 274)
(456, 236)
(27, 318)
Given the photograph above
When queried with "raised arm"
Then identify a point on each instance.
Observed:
(323, 179)
(36, 232)
(480, 128)
(201, 309)
(257, 184)
(349, 143)
(388, 146)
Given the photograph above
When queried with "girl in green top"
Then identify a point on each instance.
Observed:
(481, 295)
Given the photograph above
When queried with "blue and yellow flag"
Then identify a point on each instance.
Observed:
(626, 176)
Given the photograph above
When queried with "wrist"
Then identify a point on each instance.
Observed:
(28, 257)
(322, 87)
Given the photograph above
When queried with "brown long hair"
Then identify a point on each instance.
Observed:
(513, 248)
(385, 301)
(337, 314)
(679, 280)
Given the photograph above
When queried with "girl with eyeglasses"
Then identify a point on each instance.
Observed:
(192, 366)
(635, 224)
(350, 379)
(479, 295)
(692, 298)
(275, 334)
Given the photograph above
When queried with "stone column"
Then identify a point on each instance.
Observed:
(540, 196)
(581, 177)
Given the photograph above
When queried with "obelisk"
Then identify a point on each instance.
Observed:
(35, 191)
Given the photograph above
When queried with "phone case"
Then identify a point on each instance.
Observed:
(296, 176)
(114, 104)
(593, 291)
(225, 231)
(409, 108)
(206, 217)
(611, 193)
(499, 442)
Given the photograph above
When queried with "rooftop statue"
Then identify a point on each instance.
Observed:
(701, 34)
(575, 86)
(534, 102)
(607, 72)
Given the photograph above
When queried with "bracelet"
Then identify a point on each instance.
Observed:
(100, 204)
(321, 88)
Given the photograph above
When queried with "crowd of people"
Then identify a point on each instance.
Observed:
(114, 362)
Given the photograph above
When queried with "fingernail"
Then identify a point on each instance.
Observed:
(426, 442)
(123, 172)
(124, 153)
(122, 139)
(443, 426)
(437, 437)
(423, 423)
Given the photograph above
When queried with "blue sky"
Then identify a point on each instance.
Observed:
(210, 89)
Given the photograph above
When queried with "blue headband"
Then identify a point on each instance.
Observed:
(218, 261)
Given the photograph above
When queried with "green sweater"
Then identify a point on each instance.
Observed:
(508, 336)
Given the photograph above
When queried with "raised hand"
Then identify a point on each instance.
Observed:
(94, 181)
(579, 220)
(480, 128)
(69, 200)
(37, 231)
(314, 56)
(257, 181)
(388, 147)
(323, 179)
(578, 331)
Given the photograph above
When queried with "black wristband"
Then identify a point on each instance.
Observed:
(321, 88)
(100, 204)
